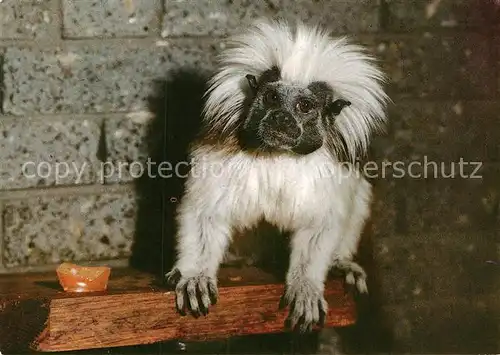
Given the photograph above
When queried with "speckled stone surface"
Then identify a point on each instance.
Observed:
(446, 204)
(434, 66)
(224, 17)
(385, 209)
(111, 18)
(340, 17)
(126, 139)
(456, 325)
(205, 17)
(36, 152)
(496, 56)
(436, 131)
(428, 265)
(28, 19)
(49, 230)
(408, 15)
(95, 78)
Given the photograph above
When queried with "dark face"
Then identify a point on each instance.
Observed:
(284, 117)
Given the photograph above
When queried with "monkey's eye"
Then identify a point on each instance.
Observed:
(304, 106)
(271, 98)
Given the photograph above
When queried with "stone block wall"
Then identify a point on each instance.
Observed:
(76, 79)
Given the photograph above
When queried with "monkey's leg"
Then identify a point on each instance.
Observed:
(360, 211)
(310, 261)
(202, 241)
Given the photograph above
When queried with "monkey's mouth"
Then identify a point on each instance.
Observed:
(276, 131)
(279, 130)
(278, 139)
(284, 137)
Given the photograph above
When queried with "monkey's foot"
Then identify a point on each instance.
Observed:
(193, 293)
(307, 305)
(354, 274)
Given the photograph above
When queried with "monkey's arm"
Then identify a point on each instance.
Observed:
(315, 248)
(310, 259)
(353, 228)
(202, 241)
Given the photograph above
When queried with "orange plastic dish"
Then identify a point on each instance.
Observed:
(75, 278)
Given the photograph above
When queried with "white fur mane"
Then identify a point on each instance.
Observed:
(303, 55)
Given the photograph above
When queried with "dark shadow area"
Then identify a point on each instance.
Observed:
(373, 331)
(247, 248)
(21, 323)
(50, 284)
(280, 343)
(177, 105)
(150, 349)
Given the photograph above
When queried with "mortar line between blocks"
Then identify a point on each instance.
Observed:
(118, 42)
(74, 116)
(60, 19)
(66, 191)
(161, 12)
(154, 40)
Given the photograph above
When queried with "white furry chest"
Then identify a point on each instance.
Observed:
(285, 191)
(276, 190)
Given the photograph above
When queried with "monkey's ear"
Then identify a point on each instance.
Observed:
(334, 108)
(252, 82)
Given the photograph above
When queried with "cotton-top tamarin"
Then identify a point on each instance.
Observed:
(287, 112)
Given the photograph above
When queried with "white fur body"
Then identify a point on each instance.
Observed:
(322, 202)
(312, 193)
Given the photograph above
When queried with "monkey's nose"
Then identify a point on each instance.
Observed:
(285, 124)
(284, 119)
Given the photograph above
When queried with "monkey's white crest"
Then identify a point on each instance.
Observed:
(303, 54)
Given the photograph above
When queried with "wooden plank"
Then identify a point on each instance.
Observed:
(137, 310)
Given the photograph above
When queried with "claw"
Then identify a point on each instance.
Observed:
(213, 292)
(355, 275)
(195, 294)
(204, 296)
(307, 306)
(306, 325)
(182, 312)
(323, 310)
(173, 277)
(361, 285)
(350, 279)
(283, 303)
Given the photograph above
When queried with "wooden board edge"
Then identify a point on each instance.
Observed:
(45, 343)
